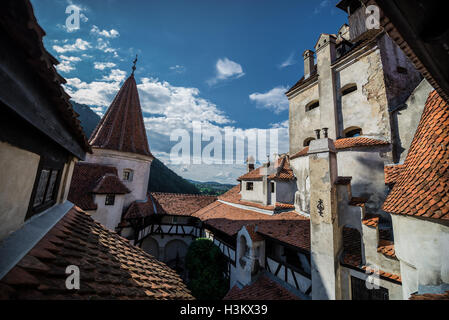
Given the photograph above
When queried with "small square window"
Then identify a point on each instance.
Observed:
(110, 200)
(127, 175)
(249, 186)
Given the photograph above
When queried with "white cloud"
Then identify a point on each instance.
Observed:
(289, 61)
(116, 75)
(104, 65)
(105, 33)
(67, 63)
(274, 99)
(178, 68)
(79, 45)
(323, 4)
(105, 46)
(227, 69)
(98, 93)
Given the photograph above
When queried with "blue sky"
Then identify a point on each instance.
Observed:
(223, 63)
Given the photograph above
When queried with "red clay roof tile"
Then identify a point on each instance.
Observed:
(392, 173)
(347, 143)
(110, 267)
(89, 176)
(262, 289)
(122, 127)
(169, 203)
(423, 185)
(281, 171)
(430, 296)
(289, 227)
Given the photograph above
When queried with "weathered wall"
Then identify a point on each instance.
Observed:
(18, 170)
(285, 191)
(301, 123)
(300, 167)
(367, 107)
(366, 167)
(109, 216)
(122, 160)
(408, 118)
(256, 195)
(422, 247)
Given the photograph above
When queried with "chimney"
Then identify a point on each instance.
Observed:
(250, 163)
(309, 63)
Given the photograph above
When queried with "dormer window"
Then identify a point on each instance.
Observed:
(349, 88)
(312, 105)
(249, 186)
(127, 175)
(352, 132)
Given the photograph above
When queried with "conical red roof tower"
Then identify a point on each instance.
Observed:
(122, 127)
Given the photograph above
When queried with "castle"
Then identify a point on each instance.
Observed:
(357, 209)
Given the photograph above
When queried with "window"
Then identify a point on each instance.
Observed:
(307, 141)
(110, 200)
(272, 187)
(352, 132)
(45, 187)
(127, 175)
(249, 186)
(349, 88)
(359, 291)
(312, 105)
(401, 70)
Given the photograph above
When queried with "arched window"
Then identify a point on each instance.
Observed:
(352, 132)
(347, 89)
(307, 141)
(312, 105)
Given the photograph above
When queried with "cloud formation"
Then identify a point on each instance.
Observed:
(226, 69)
(289, 61)
(104, 65)
(78, 45)
(274, 99)
(105, 33)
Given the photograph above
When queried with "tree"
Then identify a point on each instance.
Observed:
(206, 265)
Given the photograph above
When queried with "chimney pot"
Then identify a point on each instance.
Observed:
(318, 135)
(309, 63)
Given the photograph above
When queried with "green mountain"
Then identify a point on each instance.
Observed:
(212, 188)
(162, 179)
(88, 118)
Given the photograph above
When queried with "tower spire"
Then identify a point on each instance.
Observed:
(134, 65)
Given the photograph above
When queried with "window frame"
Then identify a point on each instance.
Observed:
(249, 186)
(130, 174)
(108, 197)
(348, 89)
(314, 104)
(53, 166)
(352, 129)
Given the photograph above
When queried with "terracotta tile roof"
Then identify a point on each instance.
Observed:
(282, 171)
(110, 267)
(234, 196)
(19, 24)
(122, 127)
(371, 220)
(262, 289)
(422, 189)
(288, 227)
(347, 143)
(302, 82)
(392, 173)
(169, 203)
(252, 231)
(89, 176)
(110, 184)
(430, 296)
(386, 247)
(352, 255)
